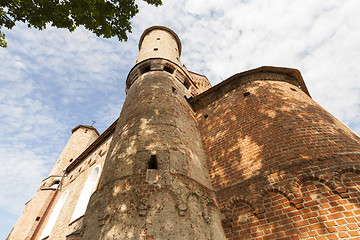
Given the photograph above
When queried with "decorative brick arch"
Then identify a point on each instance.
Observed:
(335, 186)
(227, 210)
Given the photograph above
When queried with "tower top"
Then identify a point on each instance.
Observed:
(160, 28)
(159, 42)
(84, 126)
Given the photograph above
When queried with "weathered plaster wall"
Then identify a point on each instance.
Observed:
(156, 120)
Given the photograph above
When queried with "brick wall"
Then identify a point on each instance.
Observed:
(73, 182)
(283, 167)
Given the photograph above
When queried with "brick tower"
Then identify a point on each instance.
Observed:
(253, 157)
(155, 182)
(28, 225)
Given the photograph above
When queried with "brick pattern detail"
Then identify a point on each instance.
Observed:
(321, 214)
(272, 127)
(282, 167)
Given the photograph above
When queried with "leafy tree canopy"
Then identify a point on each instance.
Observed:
(107, 18)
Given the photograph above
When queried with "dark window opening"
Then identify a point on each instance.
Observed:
(293, 89)
(152, 164)
(155, 49)
(158, 39)
(71, 159)
(188, 97)
(187, 84)
(56, 182)
(173, 89)
(246, 94)
(169, 69)
(206, 116)
(145, 69)
(37, 219)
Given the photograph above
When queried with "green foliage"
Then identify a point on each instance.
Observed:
(107, 18)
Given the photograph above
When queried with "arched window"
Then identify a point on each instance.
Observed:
(86, 192)
(54, 215)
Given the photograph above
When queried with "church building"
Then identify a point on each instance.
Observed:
(254, 157)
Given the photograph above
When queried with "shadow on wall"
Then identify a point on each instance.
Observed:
(281, 164)
(155, 119)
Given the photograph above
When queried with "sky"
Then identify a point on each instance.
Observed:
(53, 80)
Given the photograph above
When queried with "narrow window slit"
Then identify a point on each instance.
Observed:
(173, 89)
(246, 94)
(152, 164)
(187, 84)
(169, 69)
(155, 49)
(293, 89)
(145, 69)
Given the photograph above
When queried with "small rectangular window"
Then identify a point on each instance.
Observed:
(187, 84)
(152, 164)
(169, 69)
(145, 69)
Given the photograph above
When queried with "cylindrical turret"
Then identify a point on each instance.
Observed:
(82, 136)
(159, 42)
(155, 181)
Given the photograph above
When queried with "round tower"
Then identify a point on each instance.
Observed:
(27, 225)
(82, 136)
(159, 42)
(155, 181)
(286, 168)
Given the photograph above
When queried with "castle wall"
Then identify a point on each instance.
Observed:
(280, 163)
(38, 210)
(82, 136)
(74, 183)
(29, 219)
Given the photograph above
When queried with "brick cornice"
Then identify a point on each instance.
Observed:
(292, 76)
